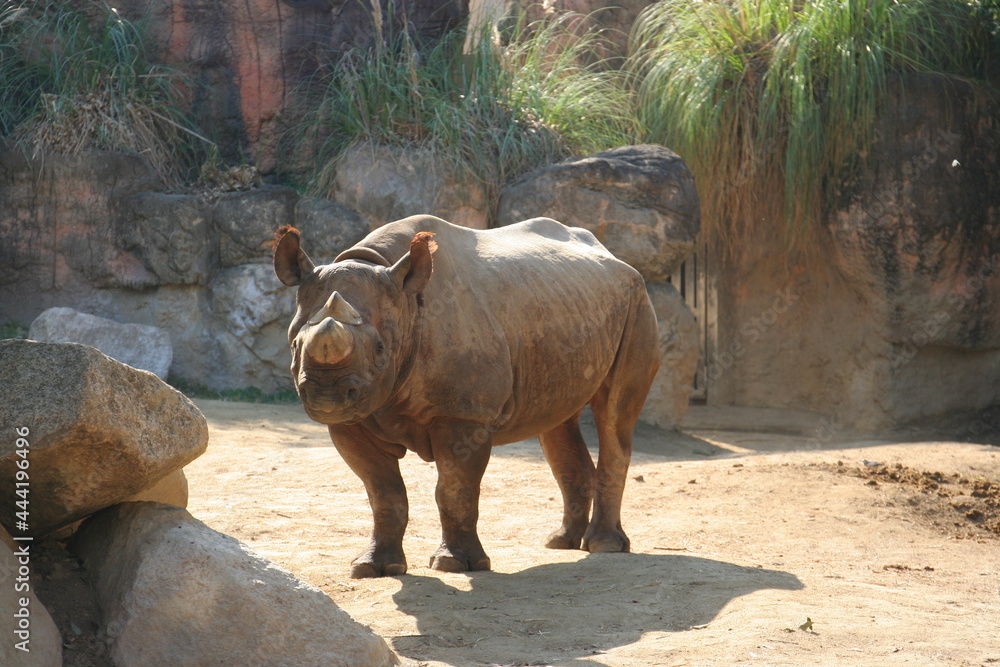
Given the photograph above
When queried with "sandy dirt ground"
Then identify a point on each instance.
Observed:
(739, 540)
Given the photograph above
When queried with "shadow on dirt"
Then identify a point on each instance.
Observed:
(604, 601)
(647, 439)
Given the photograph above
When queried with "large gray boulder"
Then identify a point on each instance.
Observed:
(172, 591)
(30, 636)
(141, 346)
(667, 401)
(98, 431)
(387, 184)
(640, 202)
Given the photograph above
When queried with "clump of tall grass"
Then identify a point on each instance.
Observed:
(71, 84)
(495, 112)
(771, 101)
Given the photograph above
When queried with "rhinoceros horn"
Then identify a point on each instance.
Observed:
(339, 309)
(327, 339)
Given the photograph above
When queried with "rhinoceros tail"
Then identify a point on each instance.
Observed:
(284, 229)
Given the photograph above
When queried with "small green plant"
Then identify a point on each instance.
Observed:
(12, 330)
(770, 102)
(495, 113)
(245, 395)
(72, 83)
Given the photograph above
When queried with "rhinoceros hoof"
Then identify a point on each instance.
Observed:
(447, 561)
(373, 564)
(561, 540)
(606, 543)
(370, 570)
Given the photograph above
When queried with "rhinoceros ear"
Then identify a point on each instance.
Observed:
(413, 271)
(291, 263)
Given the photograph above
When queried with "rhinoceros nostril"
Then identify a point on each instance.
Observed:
(352, 394)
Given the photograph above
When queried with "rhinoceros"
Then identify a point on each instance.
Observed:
(447, 341)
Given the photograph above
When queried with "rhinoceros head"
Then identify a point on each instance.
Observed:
(350, 331)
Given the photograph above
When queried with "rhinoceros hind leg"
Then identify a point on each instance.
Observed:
(616, 407)
(604, 533)
(562, 539)
(567, 455)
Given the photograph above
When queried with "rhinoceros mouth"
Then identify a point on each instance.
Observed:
(342, 401)
(332, 418)
(333, 412)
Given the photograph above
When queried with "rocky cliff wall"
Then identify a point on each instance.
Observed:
(889, 315)
(96, 232)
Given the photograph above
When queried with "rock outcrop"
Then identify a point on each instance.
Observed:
(68, 206)
(138, 345)
(30, 637)
(387, 184)
(172, 591)
(98, 431)
(680, 350)
(888, 314)
(640, 202)
(918, 234)
(95, 232)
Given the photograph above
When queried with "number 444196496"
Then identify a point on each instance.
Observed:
(21, 478)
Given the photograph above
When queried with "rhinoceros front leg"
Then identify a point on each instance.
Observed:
(461, 452)
(377, 465)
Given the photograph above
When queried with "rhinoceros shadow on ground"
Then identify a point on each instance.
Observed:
(567, 611)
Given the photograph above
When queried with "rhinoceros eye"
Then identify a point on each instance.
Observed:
(379, 348)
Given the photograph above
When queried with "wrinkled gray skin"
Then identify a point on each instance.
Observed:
(493, 337)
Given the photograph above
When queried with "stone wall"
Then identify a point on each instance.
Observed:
(888, 315)
(96, 233)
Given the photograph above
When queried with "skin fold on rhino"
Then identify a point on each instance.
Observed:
(447, 341)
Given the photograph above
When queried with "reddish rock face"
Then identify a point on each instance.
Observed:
(245, 58)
